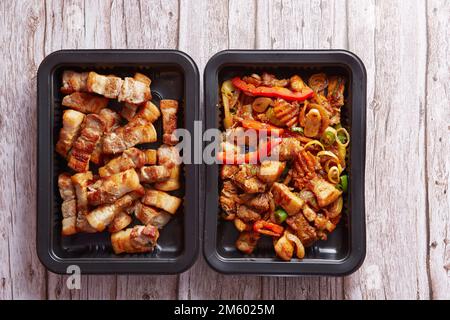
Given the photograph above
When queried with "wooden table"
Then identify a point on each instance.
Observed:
(406, 49)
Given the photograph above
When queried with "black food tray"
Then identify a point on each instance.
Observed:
(174, 76)
(344, 251)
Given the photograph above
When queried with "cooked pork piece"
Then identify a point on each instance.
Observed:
(135, 92)
(85, 102)
(168, 156)
(287, 199)
(108, 86)
(72, 124)
(172, 183)
(120, 222)
(247, 241)
(336, 87)
(246, 214)
(306, 233)
(74, 81)
(126, 137)
(69, 205)
(270, 171)
(325, 192)
(147, 113)
(260, 203)
(162, 200)
(148, 215)
(135, 240)
(102, 216)
(109, 189)
(152, 174)
(246, 179)
(289, 148)
(112, 121)
(227, 199)
(309, 213)
(83, 147)
(169, 109)
(228, 171)
(130, 158)
(80, 182)
(128, 111)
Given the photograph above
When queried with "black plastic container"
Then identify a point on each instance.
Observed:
(344, 251)
(174, 76)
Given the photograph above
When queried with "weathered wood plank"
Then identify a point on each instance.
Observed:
(217, 25)
(301, 25)
(390, 37)
(21, 274)
(437, 143)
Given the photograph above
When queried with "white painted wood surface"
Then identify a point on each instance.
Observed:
(405, 47)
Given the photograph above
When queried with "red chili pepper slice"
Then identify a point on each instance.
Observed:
(268, 228)
(278, 92)
(261, 126)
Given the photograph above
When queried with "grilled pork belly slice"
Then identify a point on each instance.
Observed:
(72, 124)
(83, 147)
(135, 240)
(169, 109)
(169, 157)
(148, 215)
(85, 102)
(172, 183)
(162, 200)
(286, 199)
(74, 81)
(69, 205)
(270, 171)
(112, 121)
(152, 174)
(109, 189)
(108, 86)
(130, 158)
(304, 231)
(128, 111)
(120, 222)
(325, 192)
(80, 182)
(147, 113)
(133, 91)
(227, 200)
(102, 216)
(127, 137)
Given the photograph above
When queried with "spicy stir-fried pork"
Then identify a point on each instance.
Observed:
(115, 184)
(283, 159)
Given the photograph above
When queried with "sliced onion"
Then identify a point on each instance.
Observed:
(298, 244)
(333, 175)
(346, 134)
(315, 142)
(329, 154)
(327, 165)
